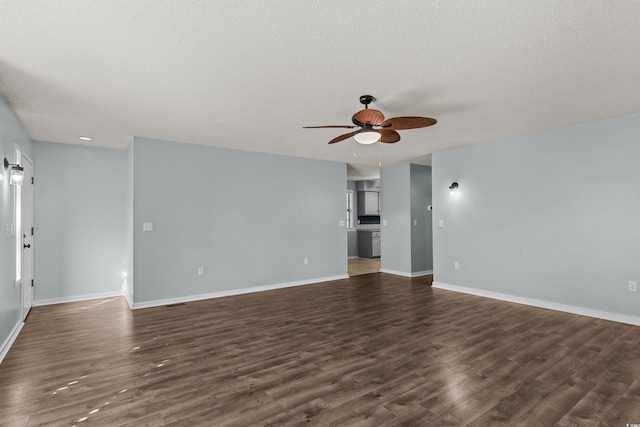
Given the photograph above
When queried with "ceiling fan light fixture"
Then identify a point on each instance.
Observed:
(367, 137)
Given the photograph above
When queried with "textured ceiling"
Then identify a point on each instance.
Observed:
(249, 74)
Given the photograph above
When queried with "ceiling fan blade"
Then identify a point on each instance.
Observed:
(389, 136)
(369, 115)
(330, 126)
(342, 137)
(399, 123)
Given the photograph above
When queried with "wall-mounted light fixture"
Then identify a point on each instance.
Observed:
(453, 188)
(17, 172)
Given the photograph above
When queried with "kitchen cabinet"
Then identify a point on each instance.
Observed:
(368, 244)
(368, 203)
(375, 244)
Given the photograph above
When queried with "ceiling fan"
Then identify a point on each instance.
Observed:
(373, 126)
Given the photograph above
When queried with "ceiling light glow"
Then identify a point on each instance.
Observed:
(367, 137)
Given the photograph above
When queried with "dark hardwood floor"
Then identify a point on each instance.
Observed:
(375, 349)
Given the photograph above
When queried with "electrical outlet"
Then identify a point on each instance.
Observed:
(633, 286)
(456, 265)
(306, 261)
(200, 271)
(441, 223)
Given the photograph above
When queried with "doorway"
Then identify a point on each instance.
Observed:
(363, 213)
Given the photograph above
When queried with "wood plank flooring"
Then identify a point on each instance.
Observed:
(372, 350)
(359, 266)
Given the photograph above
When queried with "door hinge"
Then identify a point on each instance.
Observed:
(32, 231)
(32, 283)
(33, 180)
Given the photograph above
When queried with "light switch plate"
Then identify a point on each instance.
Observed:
(441, 223)
(341, 223)
(384, 222)
(147, 226)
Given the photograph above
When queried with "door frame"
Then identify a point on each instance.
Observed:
(26, 290)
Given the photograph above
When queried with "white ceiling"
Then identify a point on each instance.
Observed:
(249, 74)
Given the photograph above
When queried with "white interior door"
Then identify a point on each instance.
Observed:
(27, 237)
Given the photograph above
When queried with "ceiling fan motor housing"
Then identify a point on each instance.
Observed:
(366, 100)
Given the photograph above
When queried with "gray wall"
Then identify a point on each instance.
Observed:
(80, 212)
(352, 236)
(551, 216)
(248, 218)
(395, 236)
(11, 133)
(406, 240)
(129, 267)
(421, 227)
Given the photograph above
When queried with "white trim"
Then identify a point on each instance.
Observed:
(421, 273)
(402, 273)
(606, 315)
(231, 292)
(76, 298)
(6, 345)
(129, 300)
(351, 210)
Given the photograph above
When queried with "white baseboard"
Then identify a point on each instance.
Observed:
(76, 298)
(231, 292)
(598, 314)
(128, 299)
(421, 273)
(6, 345)
(402, 273)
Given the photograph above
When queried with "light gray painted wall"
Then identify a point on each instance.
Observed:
(421, 232)
(406, 248)
(352, 236)
(551, 216)
(395, 237)
(128, 284)
(80, 219)
(11, 133)
(248, 218)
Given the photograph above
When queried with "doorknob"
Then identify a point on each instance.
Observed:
(27, 246)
